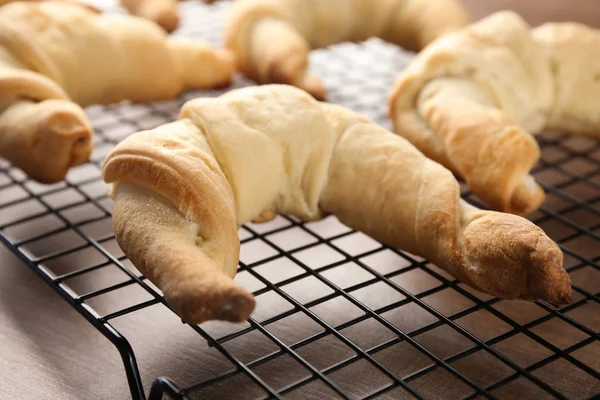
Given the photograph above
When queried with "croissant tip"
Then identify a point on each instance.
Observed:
(168, 20)
(561, 297)
(165, 17)
(315, 87)
(563, 301)
(225, 84)
(527, 197)
(550, 280)
(236, 309)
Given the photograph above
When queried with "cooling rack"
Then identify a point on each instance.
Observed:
(338, 315)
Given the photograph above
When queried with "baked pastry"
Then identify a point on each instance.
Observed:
(163, 12)
(272, 38)
(81, 3)
(472, 99)
(57, 56)
(182, 190)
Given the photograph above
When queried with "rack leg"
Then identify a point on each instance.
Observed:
(131, 370)
(163, 386)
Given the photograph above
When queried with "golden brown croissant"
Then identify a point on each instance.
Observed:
(272, 38)
(471, 99)
(53, 55)
(182, 190)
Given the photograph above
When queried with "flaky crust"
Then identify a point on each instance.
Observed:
(472, 99)
(63, 51)
(255, 152)
(272, 38)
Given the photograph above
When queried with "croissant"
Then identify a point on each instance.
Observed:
(163, 12)
(56, 57)
(182, 190)
(272, 38)
(472, 99)
(78, 2)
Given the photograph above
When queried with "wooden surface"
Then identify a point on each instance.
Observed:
(47, 351)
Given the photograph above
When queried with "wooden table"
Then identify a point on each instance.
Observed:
(47, 351)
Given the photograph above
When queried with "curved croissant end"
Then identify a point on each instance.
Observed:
(454, 123)
(45, 138)
(272, 39)
(174, 218)
(524, 253)
(201, 66)
(164, 245)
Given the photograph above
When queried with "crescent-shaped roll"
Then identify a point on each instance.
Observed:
(182, 190)
(472, 99)
(272, 38)
(58, 56)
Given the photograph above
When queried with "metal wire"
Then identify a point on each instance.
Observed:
(359, 76)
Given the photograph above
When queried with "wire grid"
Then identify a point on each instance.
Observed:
(383, 323)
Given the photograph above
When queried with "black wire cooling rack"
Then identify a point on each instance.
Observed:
(339, 315)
